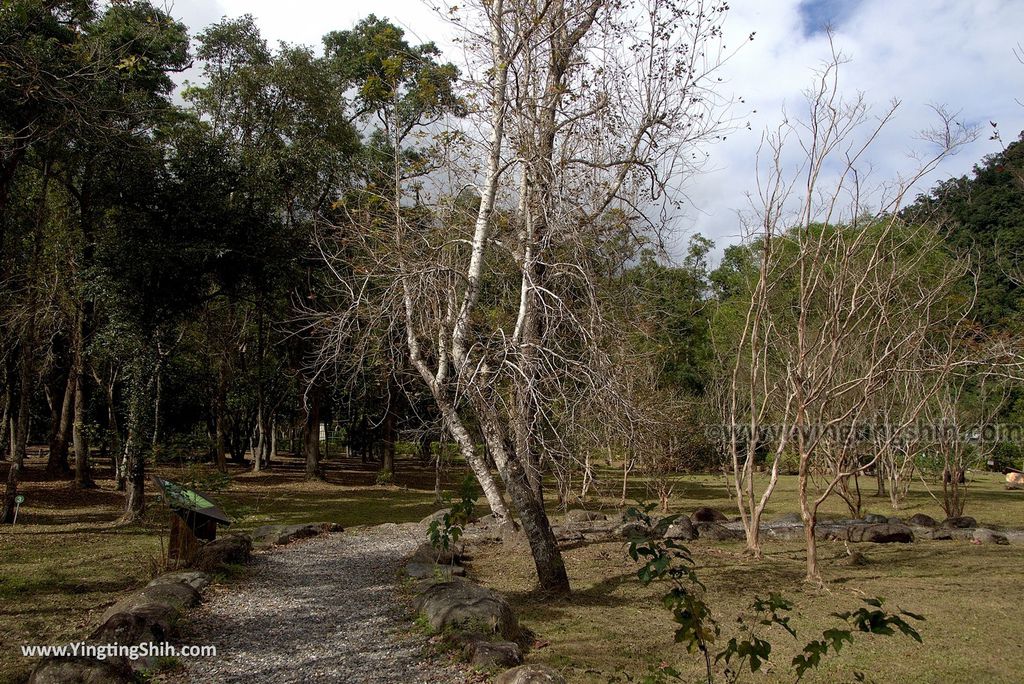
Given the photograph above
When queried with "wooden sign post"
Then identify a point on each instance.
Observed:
(194, 520)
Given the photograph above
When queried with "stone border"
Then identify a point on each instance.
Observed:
(479, 620)
(151, 614)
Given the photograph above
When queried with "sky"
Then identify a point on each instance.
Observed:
(956, 53)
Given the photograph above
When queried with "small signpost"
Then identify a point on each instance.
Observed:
(194, 519)
(18, 500)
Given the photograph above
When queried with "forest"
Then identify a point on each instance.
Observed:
(357, 252)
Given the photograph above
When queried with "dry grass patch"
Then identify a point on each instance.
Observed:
(613, 625)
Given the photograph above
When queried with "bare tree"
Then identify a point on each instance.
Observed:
(863, 304)
(588, 111)
(960, 418)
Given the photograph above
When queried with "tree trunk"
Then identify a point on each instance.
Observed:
(134, 465)
(57, 463)
(810, 518)
(156, 405)
(311, 435)
(219, 408)
(258, 459)
(469, 452)
(547, 557)
(114, 428)
(388, 442)
(83, 472)
(20, 438)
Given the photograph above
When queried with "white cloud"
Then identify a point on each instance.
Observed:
(958, 54)
(951, 52)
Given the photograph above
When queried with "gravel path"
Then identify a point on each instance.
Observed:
(323, 609)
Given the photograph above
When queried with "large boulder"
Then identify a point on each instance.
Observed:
(951, 534)
(983, 535)
(493, 653)
(578, 515)
(567, 535)
(443, 573)
(923, 520)
(231, 550)
(786, 520)
(681, 529)
(426, 553)
(632, 529)
(81, 670)
(195, 579)
(708, 514)
(292, 533)
(148, 623)
(1014, 536)
(880, 534)
(436, 516)
(1015, 480)
(530, 674)
(279, 535)
(467, 607)
(784, 532)
(716, 532)
(176, 595)
(962, 522)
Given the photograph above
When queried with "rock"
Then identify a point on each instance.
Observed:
(922, 520)
(265, 536)
(856, 559)
(880, 534)
(894, 520)
(436, 516)
(716, 532)
(873, 519)
(229, 550)
(1014, 536)
(510, 533)
(443, 573)
(630, 530)
(465, 606)
(177, 595)
(787, 519)
(983, 535)
(426, 553)
(195, 579)
(151, 622)
(962, 522)
(951, 534)
(1015, 480)
(81, 670)
(784, 532)
(578, 515)
(566, 535)
(486, 520)
(708, 514)
(530, 674)
(493, 653)
(291, 533)
(681, 528)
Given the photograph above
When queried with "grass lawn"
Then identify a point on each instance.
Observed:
(612, 625)
(67, 560)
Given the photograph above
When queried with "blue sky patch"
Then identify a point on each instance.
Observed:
(815, 15)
